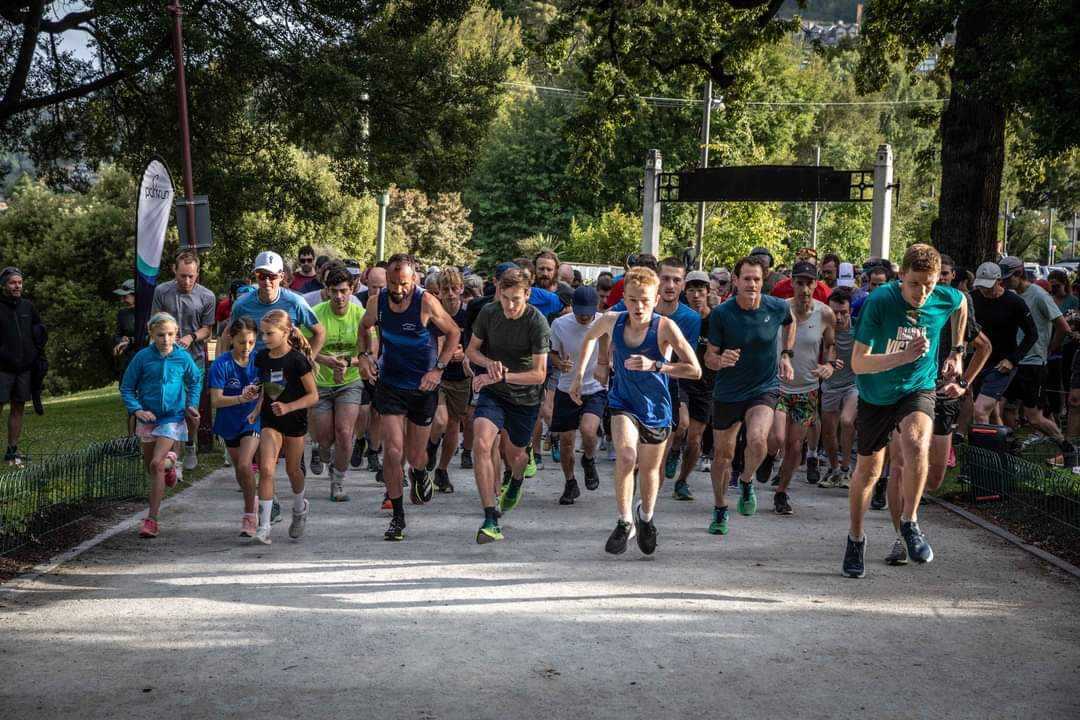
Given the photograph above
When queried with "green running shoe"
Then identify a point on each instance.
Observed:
(488, 534)
(510, 498)
(718, 526)
(682, 491)
(747, 500)
(530, 468)
(671, 466)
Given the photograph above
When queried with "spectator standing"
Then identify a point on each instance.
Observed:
(19, 322)
(124, 339)
(305, 272)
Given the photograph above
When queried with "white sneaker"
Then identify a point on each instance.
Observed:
(829, 480)
(611, 453)
(843, 480)
(262, 535)
(299, 522)
(228, 460)
(191, 457)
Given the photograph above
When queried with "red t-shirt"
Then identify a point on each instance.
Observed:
(785, 289)
(223, 310)
(300, 281)
(615, 295)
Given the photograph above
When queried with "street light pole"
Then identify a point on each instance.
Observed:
(813, 220)
(706, 122)
(182, 110)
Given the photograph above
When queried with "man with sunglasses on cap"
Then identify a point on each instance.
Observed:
(19, 321)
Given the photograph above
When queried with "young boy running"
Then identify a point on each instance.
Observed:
(641, 411)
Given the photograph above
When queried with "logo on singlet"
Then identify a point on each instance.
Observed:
(903, 336)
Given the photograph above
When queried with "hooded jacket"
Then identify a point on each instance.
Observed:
(18, 317)
(166, 386)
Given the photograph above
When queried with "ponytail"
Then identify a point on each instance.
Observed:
(297, 341)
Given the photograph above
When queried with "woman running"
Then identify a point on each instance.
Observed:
(160, 386)
(285, 373)
(233, 382)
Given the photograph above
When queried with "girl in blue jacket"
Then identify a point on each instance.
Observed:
(161, 385)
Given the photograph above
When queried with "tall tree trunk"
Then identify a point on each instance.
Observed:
(972, 151)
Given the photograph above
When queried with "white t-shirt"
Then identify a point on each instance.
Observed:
(567, 337)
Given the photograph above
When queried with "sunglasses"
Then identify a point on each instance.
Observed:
(260, 276)
(306, 260)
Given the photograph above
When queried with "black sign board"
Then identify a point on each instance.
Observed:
(772, 183)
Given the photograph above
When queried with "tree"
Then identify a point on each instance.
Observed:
(433, 229)
(1006, 54)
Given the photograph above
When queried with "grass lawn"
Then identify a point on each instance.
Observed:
(72, 422)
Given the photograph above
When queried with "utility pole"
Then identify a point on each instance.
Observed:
(1050, 239)
(650, 211)
(380, 236)
(1005, 240)
(182, 111)
(706, 122)
(881, 212)
(813, 220)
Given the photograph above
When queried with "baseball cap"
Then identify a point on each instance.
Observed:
(503, 267)
(1009, 265)
(846, 275)
(126, 288)
(8, 272)
(697, 276)
(804, 268)
(987, 275)
(585, 300)
(759, 250)
(352, 266)
(269, 261)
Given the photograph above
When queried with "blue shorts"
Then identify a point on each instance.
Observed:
(993, 383)
(517, 420)
(566, 415)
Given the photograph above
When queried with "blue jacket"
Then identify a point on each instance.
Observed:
(161, 384)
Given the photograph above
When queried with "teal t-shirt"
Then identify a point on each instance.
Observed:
(754, 332)
(886, 323)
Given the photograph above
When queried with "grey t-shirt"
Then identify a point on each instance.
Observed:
(513, 343)
(808, 335)
(192, 310)
(844, 377)
(567, 337)
(1044, 311)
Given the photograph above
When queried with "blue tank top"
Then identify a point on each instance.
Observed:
(643, 394)
(408, 349)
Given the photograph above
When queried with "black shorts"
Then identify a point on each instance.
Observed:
(418, 406)
(699, 404)
(726, 414)
(946, 410)
(14, 387)
(369, 391)
(292, 424)
(646, 435)
(875, 423)
(234, 442)
(1027, 385)
(566, 414)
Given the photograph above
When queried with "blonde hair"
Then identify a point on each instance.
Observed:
(448, 278)
(161, 318)
(281, 320)
(921, 258)
(643, 277)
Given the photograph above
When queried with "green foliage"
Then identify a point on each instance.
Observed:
(434, 229)
(609, 239)
(733, 229)
(535, 244)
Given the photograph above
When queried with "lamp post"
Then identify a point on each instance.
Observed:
(177, 12)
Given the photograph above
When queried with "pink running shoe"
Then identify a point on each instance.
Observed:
(149, 528)
(170, 469)
(951, 462)
(248, 525)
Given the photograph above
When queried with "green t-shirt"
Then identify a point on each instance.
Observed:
(1068, 304)
(341, 334)
(513, 343)
(886, 323)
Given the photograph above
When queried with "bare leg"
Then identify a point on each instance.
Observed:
(449, 442)
(566, 453)
(344, 427)
(625, 436)
(154, 458)
(916, 430)
(867, 471)
(485, 444)
(392, 430)
(241, 458)
(758, 421)
(795, 434)
(692, 450)
(649, 458)
(723, 453)
(15, 421)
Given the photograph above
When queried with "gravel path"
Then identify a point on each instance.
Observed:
(544, 625)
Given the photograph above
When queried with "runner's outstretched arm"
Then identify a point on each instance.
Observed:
(670, 336)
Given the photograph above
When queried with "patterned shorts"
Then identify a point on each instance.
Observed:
(801, 409)
(149, 432)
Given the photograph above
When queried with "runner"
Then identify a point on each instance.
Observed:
(288, 390)
(895, 363)
(371, 445)
(797, 409)
(640, 400)
(456, 388)
(233, 382)
(839, 397)
(407, 376)
(567, 336)
(342, 409)
(743, 334)
(698, 393)
(161, 389)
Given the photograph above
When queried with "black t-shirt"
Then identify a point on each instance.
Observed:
(281, 378)
(454, 370)
(1000, 319)
(704, 385)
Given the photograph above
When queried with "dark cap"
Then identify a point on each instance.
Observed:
(503, 267)
(805, 269)
(585, 300)
(8, 272)
(1010, 265)
(764, 251)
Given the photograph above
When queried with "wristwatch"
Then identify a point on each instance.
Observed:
(962, 383)
(958, 349)
(657, 365)
(440, 365)
(789, 353)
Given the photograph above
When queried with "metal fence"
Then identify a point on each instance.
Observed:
(47, 495)
(1041, 487)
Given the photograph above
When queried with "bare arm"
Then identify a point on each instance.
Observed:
(670, 336)
(450, 330)
(1060, 332)
(865, 363)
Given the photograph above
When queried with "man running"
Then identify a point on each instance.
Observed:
(895, 362)
(697, 393)
(743, 334)
(511, 340)
(839, 396)
(376, 281)
(567, 336)
(407, 376)
(456, 388)
(640, 400)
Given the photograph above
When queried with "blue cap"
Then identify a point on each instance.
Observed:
(503, 267)
(585, 300)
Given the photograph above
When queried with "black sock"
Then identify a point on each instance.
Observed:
(515, 483)
(399, 506)
(720, 509)
(489, 516)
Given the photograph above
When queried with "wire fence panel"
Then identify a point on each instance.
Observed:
(45, 496)
(1050, 491)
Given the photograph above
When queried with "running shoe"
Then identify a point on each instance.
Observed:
(706, 465)
(148, 529)
(539, 460)
(379, 477)
(337, 491)
(510, 497)
(917, 548)
(505, 480)
(854, 563)
(386, 504)
(248, 525)
(880, 500)
(682, 491)
(396, 531)
(747, 500)
(570, 493)
(620, 536)
(433, 454)
(611, 452)
(420, 490)
(592, 479)
(442, 481)
(898, 554)
(466, 460)
(812, 473)
(359, 448)
(781, 505)
(275, 512)
(736, 477)
(191, 457)
(671, 465)
(556, 451)
(374, 464)
(303, 465)
(843, 480)
(316, 461)
(488, 533)
(645, 531)
(262, 535)
(765, 469)
(532, 465)
(299, 522)
(719, 524)
(170, 469)
(829, 481)
(226, 459)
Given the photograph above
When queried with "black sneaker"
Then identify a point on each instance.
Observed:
(592, 480)
(303, 465)
(765, 468)
(420, 491)
(880, 500)
(374, 464)
(505, 481)
(433, 454)
(466, 460)
(646, 532)
(275, 512)
(854, 564)
(316, 461)
(917, 548)
(359, 447)
(620, 536)
(812, 474)
(570, 492)
(781, 506)
(379, 476)
(396, 531)
(442, 481)
(776, 481)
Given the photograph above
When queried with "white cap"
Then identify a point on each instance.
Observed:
(987, 275)
(269, 261)
(846, 275)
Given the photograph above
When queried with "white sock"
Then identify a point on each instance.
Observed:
(628, 518)
(298, 502)
(859, 539)
(645, 516)
(906, 519)
(265, 508)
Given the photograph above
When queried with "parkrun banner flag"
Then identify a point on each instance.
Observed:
(155, 205)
